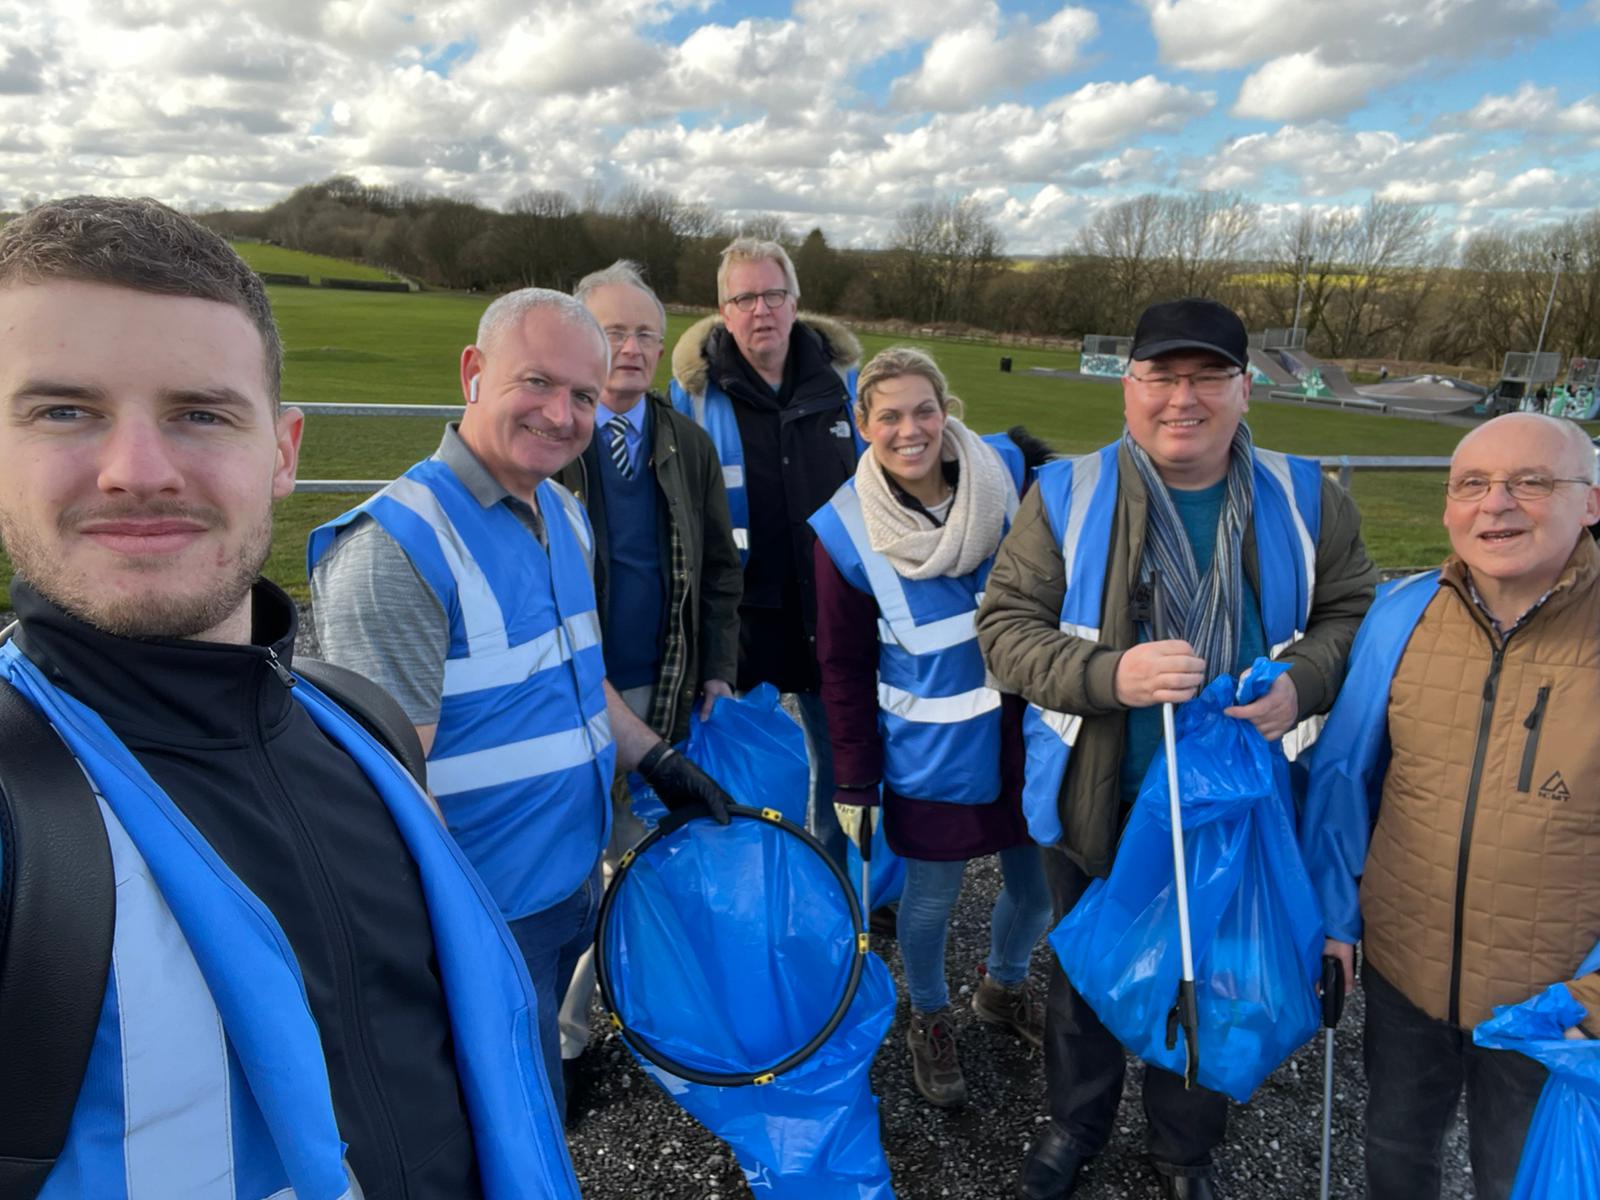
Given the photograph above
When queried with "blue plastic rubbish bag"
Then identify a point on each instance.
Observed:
(1561, 1156)
(727, 949)
(1255, 927)
(749, 745)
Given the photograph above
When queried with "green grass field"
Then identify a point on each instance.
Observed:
(403, 349)
(262, 257)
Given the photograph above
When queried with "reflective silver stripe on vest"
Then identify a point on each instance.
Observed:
(937, 710)
(741, 539)
(1301, 738)
(176, 1136)
(1277, 465)
(514, 761)
(896, 625)
(578, 520)
(484, 671)
(481, 617)
(935, 635)
(733, 477)
(1064, 725)
(1085, 478)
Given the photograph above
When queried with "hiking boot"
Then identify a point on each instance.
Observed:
(934, 1064)
(1017, 1008)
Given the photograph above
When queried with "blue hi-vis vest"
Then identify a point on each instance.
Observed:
(712, 410)
(1080, 500)
(521, 763)
(1352, 755)
(938, 707)
(207, 1079)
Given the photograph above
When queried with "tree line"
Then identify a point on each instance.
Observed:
(1382, 280)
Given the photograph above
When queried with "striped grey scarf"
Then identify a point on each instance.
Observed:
(1203, 612)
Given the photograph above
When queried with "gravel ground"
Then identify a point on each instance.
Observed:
(632, 1140)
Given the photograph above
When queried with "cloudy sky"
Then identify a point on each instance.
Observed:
(832, 112)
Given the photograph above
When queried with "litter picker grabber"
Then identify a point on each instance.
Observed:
(864, 845)
(1332, 1009)
(1185, 1012)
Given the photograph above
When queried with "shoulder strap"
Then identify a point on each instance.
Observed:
(377, 711)
(57, 917)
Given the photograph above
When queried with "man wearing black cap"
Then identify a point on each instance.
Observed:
(1257, 554)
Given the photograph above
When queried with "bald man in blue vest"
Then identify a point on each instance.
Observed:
(465, 588)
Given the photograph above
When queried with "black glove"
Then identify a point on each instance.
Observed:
(679, 782)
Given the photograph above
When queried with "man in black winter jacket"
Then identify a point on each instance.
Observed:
(775, 393)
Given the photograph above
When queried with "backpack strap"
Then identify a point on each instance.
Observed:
(379, 713)
(57, 917)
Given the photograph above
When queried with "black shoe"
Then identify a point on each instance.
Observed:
(1187, 1187)
(1050, 1172)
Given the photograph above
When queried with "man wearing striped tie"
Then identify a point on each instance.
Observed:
(666, 572)
(465, 589)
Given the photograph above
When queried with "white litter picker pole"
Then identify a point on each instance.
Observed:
(1185, 1014)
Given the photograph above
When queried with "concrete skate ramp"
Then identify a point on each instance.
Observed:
(1335, 380)
(1435, 395)
(1269, 366)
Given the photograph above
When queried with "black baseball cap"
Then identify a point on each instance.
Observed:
(1191, 324)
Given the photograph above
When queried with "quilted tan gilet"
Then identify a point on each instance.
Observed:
(1522, 862)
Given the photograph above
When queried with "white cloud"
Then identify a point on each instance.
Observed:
(966, 65)
(1299, 87)
(1533, 109)
(1212, 35)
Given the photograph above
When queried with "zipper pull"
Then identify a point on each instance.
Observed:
(1532, 721)
(278, 669)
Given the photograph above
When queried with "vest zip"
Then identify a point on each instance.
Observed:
(1534, 724)
(373, 1100)
(1491, 685)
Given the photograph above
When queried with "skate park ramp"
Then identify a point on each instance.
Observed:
(1334, 379)
(1433, 395)
(1267, 363)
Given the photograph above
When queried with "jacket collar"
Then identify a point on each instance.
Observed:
(165, 690)
(1576, 579)
(691, 368)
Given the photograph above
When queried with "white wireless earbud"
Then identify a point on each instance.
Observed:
(472, 390)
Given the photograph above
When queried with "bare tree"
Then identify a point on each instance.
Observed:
(944, 252)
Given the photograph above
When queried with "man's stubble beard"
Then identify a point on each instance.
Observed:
(162, 613)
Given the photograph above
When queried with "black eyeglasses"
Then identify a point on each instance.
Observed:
(1525, 485)
(773, 298)
(1208, 384)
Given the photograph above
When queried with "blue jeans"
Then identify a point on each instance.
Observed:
(551, 943)
(1021, 913)
(821, 821)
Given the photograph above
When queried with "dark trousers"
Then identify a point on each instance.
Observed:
(1084, 1066)
(1416, 1067)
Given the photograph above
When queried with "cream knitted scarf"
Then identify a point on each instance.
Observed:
(984, 498)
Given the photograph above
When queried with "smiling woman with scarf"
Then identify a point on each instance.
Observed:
(903, 552)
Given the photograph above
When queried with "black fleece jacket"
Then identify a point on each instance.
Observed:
(297, 821)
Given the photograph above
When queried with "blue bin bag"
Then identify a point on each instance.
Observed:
(1255, 928)
(1561, 1156)
(728, 948)
(749, 745)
